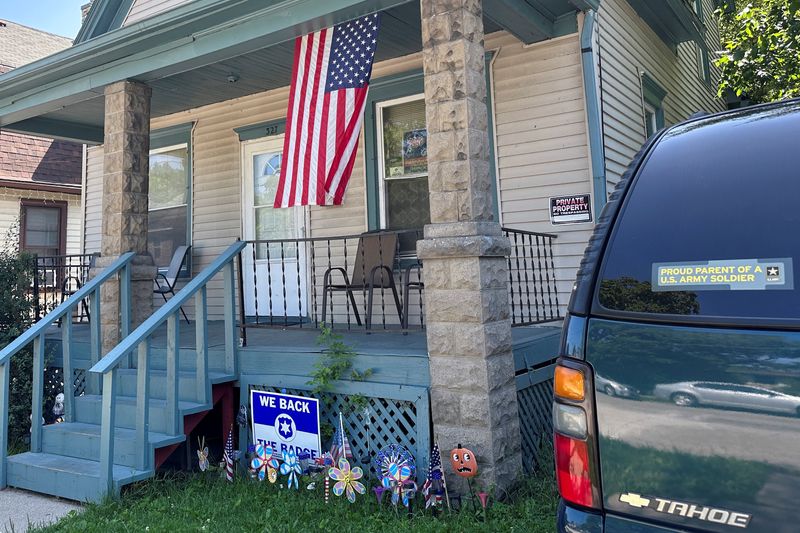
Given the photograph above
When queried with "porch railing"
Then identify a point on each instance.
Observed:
(139, 341)
(300, 283)
(304, 282)
(58, 277)
(36, 335)
(532, 289)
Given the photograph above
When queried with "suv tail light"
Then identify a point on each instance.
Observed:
(577, 466)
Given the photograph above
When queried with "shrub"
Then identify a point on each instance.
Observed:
(16, 312)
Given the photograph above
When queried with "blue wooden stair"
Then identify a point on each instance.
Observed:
(141, 400)
(68, 465)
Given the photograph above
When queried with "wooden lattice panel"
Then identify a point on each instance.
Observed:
(536, 424)
(381, 422)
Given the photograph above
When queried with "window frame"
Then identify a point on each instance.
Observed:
(379, 152)
(165, 140)
(653, 95)
(61, 205)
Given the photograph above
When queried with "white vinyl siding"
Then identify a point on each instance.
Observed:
(541, 146)
(629, 47)
(10, 212)
(94, 199)
(143, 9)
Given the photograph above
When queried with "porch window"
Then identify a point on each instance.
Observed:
(168, 225)
(42, 227)
(403, 167)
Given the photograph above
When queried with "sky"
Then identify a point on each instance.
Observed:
(62, 17)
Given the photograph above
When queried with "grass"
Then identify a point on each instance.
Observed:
(207, 503)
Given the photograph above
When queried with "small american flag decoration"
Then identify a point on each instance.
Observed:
(432, 488)
(330, 80)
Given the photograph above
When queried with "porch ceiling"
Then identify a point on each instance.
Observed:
(188, 64)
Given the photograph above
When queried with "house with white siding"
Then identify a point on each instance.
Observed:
(40, 178)
(493, 133)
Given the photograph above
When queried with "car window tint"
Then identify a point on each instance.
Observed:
(710, 194)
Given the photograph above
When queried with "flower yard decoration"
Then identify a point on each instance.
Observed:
(347, 480)
(264, 464)
(395, 466)
(202, 454)
(291, 468)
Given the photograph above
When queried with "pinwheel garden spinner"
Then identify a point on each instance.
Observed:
(395, 467)
(291, 468)
(347, 480)
(264, 465)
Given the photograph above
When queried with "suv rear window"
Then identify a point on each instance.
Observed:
(711, 226)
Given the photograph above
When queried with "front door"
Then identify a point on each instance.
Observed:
(275, 275)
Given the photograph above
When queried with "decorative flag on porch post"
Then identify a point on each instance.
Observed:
(330, 80)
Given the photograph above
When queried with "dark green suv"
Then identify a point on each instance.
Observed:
(687, 294)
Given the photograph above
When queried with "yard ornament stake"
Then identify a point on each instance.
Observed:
(395, 467)
(291, 468)
(347, 480)
(202, 454)
(264, 464)
(463, 462)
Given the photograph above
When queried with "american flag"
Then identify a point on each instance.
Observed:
(229, 456)
(340, 447)
(432, 487)
(326, 108)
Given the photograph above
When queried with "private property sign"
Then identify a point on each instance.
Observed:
(572, 209)
(286, 422)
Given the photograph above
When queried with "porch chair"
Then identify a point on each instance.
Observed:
(373, 267)
(165, 282)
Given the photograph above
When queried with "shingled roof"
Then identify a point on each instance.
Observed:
(20, 44)
(23, 158)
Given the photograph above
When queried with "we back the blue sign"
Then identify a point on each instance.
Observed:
(286, 422)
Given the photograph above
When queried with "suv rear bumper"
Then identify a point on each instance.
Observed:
(572, 520)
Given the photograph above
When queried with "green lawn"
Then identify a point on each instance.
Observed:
(207, 503)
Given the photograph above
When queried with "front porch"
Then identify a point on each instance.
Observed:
(396, 388)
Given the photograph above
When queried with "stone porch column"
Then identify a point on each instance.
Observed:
(126, 163)
(473, 393)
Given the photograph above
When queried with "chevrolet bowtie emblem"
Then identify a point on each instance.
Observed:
(634, 500)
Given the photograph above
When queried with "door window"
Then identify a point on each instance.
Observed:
(271, 223)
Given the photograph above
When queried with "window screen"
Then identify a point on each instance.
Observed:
(42, 230)
(168, 225)
(405, 169)
(710, 207)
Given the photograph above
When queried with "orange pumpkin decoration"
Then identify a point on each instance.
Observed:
(463, 462)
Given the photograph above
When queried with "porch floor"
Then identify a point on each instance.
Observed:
(305, 340)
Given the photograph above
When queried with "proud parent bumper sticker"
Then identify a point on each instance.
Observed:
(724, 275)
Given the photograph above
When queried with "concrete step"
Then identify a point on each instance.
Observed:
(82, 441)
(67, 477)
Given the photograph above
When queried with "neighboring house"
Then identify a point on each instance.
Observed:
(553, 102)
(40, 178)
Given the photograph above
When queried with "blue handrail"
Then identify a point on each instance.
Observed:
(64, 308)
(139, 340)
(121, 350)
(36, 335)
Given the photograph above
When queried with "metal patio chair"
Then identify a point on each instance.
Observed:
(165, 281)
(372, 269)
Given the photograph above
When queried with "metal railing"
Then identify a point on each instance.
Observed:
(139, 341)
(347, 281)
(532, 289)
(36, 335)
(58, 277)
